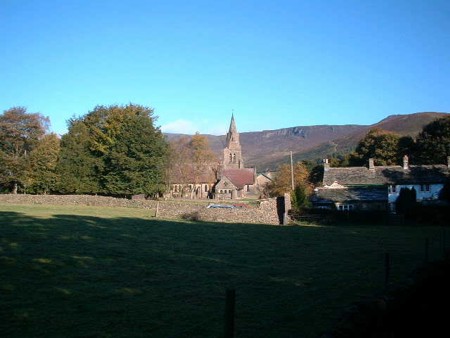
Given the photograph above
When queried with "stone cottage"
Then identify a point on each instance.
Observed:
(378, 187)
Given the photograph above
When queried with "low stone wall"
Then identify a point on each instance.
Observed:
(263, 213)
(98, 201)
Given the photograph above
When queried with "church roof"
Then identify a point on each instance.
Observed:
(240, 177)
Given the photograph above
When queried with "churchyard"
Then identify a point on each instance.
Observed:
(92, 271)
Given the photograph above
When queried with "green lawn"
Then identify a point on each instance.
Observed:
(115, 272)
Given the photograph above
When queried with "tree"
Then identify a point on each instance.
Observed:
(316, 175)
(114, 150)
(20, 133)
(382, 146)
(300, 196)
(78, 168)
(433, 142)
(136, 153)
(202, 155)
(191, 161)
(282, 182)
(42, 176)
(180, 156)
(406, 201)
(444, 195)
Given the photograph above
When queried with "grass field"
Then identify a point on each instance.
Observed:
(113, 272)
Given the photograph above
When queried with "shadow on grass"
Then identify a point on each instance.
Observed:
(73, 275)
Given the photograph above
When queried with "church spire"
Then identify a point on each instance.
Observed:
(233, 135)
(232, 153)
(233, 124)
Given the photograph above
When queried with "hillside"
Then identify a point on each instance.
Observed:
(267, 149)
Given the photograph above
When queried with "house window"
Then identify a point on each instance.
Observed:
(393, 188)
(346, 207)
(206, 188)
(424, 187)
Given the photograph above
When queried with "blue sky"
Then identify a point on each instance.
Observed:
(275, 63)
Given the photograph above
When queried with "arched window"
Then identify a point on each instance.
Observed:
(234, 158)
(231, 157)
(206, 188)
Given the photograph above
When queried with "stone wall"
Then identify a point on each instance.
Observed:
(265, 212)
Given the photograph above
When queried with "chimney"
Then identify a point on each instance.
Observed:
(405, 162)
(371, 164)
(326, 165)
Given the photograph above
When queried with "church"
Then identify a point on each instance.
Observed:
(228, 180)
(234, 180)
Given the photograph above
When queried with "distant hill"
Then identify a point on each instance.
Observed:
(267, 149)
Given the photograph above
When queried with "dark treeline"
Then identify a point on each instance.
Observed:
(112, 150)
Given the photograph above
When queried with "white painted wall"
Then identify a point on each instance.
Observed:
(422, 193)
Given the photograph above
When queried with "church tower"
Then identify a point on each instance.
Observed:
(232, 154)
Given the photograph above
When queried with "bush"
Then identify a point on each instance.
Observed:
(300, 198)
(406, 201)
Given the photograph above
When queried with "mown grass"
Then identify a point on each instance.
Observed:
(115, 272)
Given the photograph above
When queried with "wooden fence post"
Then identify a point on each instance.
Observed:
(230, 303)
(443, 244)
(387, 269)
(157, 209)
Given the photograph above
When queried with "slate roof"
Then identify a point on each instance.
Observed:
(364, 194)
(240, 177)
(385, 175)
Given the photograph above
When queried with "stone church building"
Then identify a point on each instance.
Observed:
(234, 180)
(229, 180)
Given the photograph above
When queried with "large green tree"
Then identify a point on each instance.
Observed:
(433, 143)
(20, 134)
(386, 148)
(78, 168)
(114, 150)
(41, 176)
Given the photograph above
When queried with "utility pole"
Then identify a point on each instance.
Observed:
(292, 173)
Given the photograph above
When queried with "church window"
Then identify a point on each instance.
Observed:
(231, 157)
(234, 158)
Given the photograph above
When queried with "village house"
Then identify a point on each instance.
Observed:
(378, 187)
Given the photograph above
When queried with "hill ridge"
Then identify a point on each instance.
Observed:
(266, 149)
